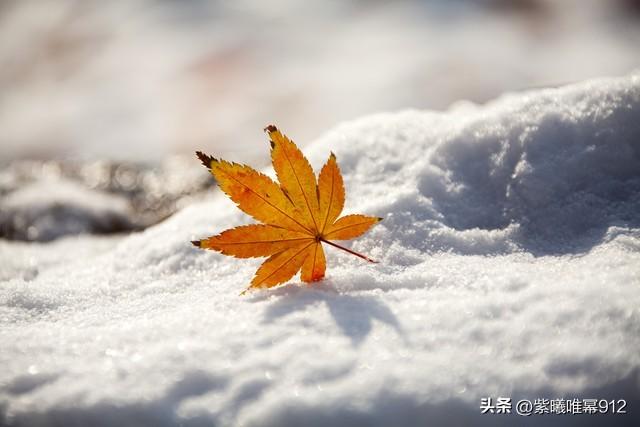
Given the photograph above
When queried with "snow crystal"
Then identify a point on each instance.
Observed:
(509, 259)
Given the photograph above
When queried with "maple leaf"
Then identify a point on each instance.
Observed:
(297, 215)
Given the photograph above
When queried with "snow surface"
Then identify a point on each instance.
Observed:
(509, 266)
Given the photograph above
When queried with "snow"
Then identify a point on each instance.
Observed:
(48, 209)
(509, 259)
(140, 79)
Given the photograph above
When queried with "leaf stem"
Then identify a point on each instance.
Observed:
(349, 250)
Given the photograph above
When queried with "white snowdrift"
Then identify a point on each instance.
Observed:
(509, 266)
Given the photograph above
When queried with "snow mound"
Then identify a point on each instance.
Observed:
(509, 266)
(548, 172)
(46, 200)
(46, 210)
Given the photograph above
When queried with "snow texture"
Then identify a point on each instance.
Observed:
(509, 266)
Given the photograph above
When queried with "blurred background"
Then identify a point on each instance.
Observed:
(103, 103)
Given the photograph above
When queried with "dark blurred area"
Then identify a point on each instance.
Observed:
(103, 103)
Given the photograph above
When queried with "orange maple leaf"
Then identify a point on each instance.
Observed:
(297, 216)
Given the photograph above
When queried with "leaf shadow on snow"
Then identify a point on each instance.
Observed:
(353, 314)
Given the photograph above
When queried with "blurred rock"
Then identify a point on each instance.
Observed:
(41, 201)
(45, 210)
